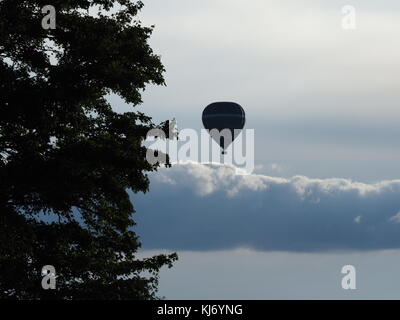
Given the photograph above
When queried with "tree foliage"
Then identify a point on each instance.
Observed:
(66, 158)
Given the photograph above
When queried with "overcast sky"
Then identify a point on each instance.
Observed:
(323, 102)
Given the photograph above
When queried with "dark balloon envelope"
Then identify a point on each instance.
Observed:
(224, 115)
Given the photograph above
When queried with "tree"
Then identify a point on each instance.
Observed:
(66, 158)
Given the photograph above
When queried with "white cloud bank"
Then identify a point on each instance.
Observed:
(208, 179)
(200, 207)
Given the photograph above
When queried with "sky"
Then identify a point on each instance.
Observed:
(323, 102)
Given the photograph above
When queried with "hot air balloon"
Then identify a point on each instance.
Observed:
(224, 115)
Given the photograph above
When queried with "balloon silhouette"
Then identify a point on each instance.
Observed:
(224, 121)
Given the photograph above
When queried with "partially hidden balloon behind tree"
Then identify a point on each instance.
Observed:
(224, 117)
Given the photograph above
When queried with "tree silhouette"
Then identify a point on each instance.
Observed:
(66, 158)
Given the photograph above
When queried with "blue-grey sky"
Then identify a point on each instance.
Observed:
(246, 274)
(324, 105)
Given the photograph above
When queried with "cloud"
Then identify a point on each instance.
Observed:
(396, 218)
(259, 52)
(357, 219)
(208, 207)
